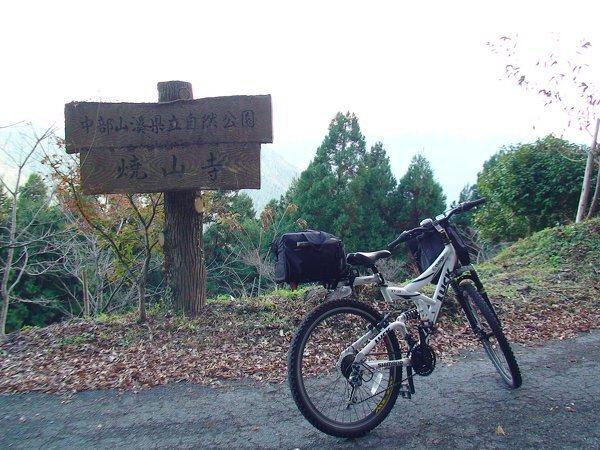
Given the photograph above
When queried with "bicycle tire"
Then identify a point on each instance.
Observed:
(316, 387)
(474, 278)
(488, 331)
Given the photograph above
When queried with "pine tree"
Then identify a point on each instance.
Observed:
(368, 227)
(322, 189)
(345, 189)
(418, 195)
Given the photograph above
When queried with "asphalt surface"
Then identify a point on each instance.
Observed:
(463, 406)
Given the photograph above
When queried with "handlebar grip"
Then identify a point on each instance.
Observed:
(466, 206)
(406, 236)
(479, 201)
(400, 239)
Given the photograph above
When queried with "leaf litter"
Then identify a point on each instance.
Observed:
(233, 340)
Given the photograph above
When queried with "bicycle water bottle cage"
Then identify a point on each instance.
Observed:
(367, 258)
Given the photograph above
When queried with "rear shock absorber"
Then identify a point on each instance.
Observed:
(411, 314)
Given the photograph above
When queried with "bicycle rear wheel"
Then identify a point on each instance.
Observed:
(335, 395)
(488, 331)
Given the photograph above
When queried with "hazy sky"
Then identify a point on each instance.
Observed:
(418, 75)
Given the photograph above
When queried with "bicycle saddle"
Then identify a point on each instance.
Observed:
(366, 258)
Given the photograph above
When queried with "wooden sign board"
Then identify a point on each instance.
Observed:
(233, 119)
(155, 169)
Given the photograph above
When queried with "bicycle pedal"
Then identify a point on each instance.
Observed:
(405, 391)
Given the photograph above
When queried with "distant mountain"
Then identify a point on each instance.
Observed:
(276, 177)
(276, 173)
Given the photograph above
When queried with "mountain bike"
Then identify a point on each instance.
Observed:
(345, 364)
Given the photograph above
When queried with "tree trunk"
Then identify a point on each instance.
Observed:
(5, 290)
(587, 178)
(184, 256)
(142, 318)
(596, 198)
(4, 313)
(86, 297)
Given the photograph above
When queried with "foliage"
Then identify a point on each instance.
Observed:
(369, 226)
(108, 252)
(555, 266)
(529, 187)
(124, 225)
(42, 285)
(561, 75)
(237, 244)
(538, 286)
(479, 249)
(35, 297)
(30, 225)
(345, 189)
(229, 216)
(553, 249)
(283, 212)
(418, 195)
(322, 193)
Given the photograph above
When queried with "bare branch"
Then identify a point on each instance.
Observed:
(12, 124)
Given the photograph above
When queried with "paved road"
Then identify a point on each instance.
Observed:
(457, 407)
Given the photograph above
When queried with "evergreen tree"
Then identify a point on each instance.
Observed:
(33, 196)
(369, 209)
(345, 188)
(322, 189)
(418, 196)
(342, 149)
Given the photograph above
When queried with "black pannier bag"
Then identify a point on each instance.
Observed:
(428, 246)
(462, 251)
(308, 257)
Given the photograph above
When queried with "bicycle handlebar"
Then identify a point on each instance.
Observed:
(458, 209)
(465, 206)
(406, 236)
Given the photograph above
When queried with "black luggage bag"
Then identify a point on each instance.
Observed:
(308, 257)
(427, 247)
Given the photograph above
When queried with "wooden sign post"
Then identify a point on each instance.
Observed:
(178, 146)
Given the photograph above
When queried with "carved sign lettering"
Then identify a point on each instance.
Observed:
(234, 119)
(209, 166)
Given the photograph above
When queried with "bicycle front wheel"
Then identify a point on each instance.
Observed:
(335, 394)
(488, 331)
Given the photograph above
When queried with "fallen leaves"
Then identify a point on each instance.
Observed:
(122, 354)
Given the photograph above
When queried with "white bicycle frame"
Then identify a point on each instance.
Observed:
(428, 308)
